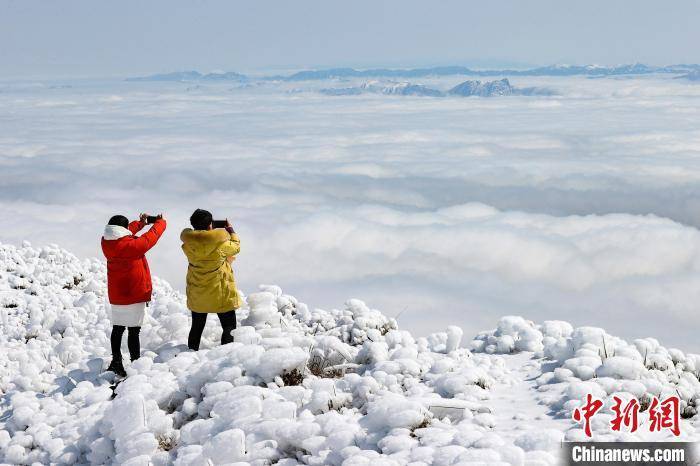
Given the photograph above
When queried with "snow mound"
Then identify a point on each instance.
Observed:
(514, 333)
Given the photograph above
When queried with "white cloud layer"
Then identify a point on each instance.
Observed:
(444, 210)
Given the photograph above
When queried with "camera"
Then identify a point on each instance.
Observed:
(218, 223)
(150, 219)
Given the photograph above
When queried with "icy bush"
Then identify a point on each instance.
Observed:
(512, 334)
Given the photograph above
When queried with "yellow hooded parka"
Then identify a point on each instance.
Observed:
(210, 283)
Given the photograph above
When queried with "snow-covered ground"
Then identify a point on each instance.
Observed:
(300, 385)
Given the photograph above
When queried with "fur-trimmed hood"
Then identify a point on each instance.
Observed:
(113, 232)
(200, 243)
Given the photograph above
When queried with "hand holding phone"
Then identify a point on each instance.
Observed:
(150, 219)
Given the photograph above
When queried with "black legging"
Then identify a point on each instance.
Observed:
(132, 342)
(199, 319)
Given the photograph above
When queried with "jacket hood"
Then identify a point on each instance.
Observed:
(113, 232)
(203, 242)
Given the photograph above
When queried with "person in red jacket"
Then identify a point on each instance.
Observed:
(128, 280)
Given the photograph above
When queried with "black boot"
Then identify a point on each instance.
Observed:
(117, 367)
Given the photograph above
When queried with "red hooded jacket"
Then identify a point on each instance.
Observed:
(128, 275)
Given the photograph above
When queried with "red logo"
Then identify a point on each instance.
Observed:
(667, 417)
(586, 413)
(626, 416)
(661, 414)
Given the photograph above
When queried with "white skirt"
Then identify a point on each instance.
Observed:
(130, 315)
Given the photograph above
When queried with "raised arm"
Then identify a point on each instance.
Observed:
(137, 225)
(231, 247)
(146, 241)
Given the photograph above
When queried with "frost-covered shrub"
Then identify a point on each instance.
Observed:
(276, 361)
(263, 310)
(540, 439)
(512, 334)
(454, 338)
(393, 411)
(621, 368)
(453, 383)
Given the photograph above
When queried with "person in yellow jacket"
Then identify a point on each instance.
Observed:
(211, 287)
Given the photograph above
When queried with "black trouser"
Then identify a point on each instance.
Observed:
(199, 319)
(132, 341)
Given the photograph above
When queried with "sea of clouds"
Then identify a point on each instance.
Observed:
(582, 206)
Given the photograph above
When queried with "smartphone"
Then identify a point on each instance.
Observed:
(218, 224)
(151, 219)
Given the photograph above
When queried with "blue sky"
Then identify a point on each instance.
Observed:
(77, 37)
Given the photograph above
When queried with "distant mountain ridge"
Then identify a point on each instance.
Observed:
(499, 87)
(404, 88)
(553, 70)
(187, 76)
(340, 73)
